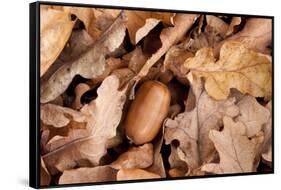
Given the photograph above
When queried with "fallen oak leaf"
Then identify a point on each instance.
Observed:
(135, 157)
(79, 42)
(169, 36)
(253, 115)
(191, 128)
(103, 116)
(59, 116)
(174, 59)
(237, 152)
(158, 163)
(238, 67)
(175, 162)
(55, 29)
(45, 177)
(256, 35)
(235, 21)
(136, 59)
(85, 14)
(267, 129)
(140, 23)
(60, 125)
(218, 24)
(91, 64)
(80, 89)
(134, 174)
(103, 19)
(88, 175)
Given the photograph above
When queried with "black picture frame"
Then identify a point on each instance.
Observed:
(34, 93)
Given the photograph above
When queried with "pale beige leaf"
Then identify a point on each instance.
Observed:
(91, 64)
(256, 35)
(237, 152)
(252, 114)
(88, 175)
(55, 29)
(59, 116)
(102, 129)
(135, 157)
(192, 128)
(238, 67)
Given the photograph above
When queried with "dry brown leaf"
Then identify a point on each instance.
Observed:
(157, 166)
(78, 43)
(80, 89)
(58, 116)
(175, 162)
(102, 129)
(91, 64)
(135, 157)
(267, 129)
(88, 175)
(253, 115)
(45, 177)
(174, 172)
(137, 59)
(235, 21)
(55, 29)
(140, 23)
(103, 19)
(256, 35)
(238, 67)
(174, 60)
(212, 34)
(218, 24)
(169, 36)
(85, 14)
(133, 174)
(237, 152)
(192, 128)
